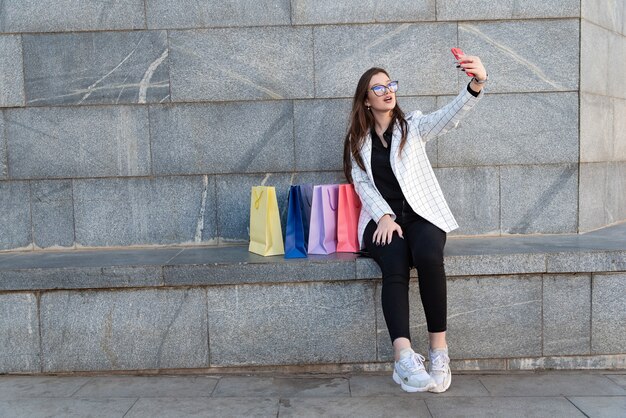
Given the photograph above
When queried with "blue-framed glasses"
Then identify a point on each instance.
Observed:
(381, 90)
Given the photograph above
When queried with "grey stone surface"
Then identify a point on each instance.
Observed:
(69, 15)
(607, 304)
(602, 54)
(33, 387)
(142, 329)
(214, 407)
(620, 379)
(602, 200)
(222, 138)
(4, 169)
(610, 15)
(147, 387)
(520, 55)
(566, 314)
(598, 362)
(601, 406)
(11, 75)
(539, 199)
(14, 215)
(237, 312)
(343, 53)
(195, 14)
(551, 384)
(281, 387)
(305, 12)
(497, 131)
(96, 67)
(473, 194)
(241, 64)
(19, 334)
(602, 128)
(469, 265)
(352, 407)
(521, 9)
(586, 261)
(522, 407)
(66, 407)
(71, 142)
(233, 203)
(365, 386)
(494, 317)
(160, 210)
(319, 137)
(53, 213)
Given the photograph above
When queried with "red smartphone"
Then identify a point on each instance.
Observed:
(457, 52)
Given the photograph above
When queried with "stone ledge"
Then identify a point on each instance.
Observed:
(599, 251)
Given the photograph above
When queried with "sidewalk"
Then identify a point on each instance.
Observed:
(545, 394)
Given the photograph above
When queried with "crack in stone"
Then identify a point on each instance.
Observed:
(200, 222)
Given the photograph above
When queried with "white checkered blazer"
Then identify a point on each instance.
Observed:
(413, 171)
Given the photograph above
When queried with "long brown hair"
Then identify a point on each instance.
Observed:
(361, 122)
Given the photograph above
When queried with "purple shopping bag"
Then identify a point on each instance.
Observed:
(323, 227)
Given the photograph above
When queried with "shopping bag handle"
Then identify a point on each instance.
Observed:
(257, 201)
(330, 201)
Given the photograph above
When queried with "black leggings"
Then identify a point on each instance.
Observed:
(421, 247)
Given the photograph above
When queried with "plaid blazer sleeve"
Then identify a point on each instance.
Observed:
(371, 199)
(448, 117)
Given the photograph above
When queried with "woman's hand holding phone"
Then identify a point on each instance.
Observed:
(471, 65)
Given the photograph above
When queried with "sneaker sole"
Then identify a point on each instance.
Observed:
(410, 389)
(444, 387)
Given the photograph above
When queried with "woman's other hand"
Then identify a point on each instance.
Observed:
(384, 231)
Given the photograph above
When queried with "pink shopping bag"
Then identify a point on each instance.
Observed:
(348, 219)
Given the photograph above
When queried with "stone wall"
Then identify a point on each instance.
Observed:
(146, 122)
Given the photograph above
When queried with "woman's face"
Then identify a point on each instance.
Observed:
(382, 103)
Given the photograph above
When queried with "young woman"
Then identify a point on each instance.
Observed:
(404, 217)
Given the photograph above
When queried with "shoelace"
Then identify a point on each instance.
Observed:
(413, 363)
(439, 362)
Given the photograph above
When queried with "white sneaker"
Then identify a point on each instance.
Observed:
(439, 369)
(409, 372)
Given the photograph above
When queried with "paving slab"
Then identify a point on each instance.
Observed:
(353, 407)
(366, 386)
(148, 387)
(601, 406)
(620, 379)
(281, 387)
(527, 407)
(551, 384)
(206, 407)
(31, 387)
(66, 408)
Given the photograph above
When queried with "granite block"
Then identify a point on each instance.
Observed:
(610, 15)
(218, 407)
(141, 329)
(241, 64)
(194, 14)
(586, 261)
(147, 387)
(285, 322)
(70, 142)
(494, 317)
(233, 202)
(32, 387)
(185, 138)
(305, 12)
(518, 407)
(497, 131)
(4, 169)
(319, 177)
(507, 10)
(15, 214)
(53, 213)
(603, 55)
(566, 314)
(353, 407)
(283, 387)
(344, 53)
(473, 194)
(319, 139)
(600, 406)
(539, 199)
(607, 310)
(19, 333)
(597, 362)
(160, 210)
(11, 73)
(520, 55)
(551, 384)
(601, 194)
(488, 264)
(96, 68)
(602, 128)
(70, 15)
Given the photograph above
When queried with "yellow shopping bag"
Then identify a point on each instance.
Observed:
(266, 236)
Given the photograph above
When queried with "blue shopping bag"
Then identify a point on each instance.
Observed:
(298, 219)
